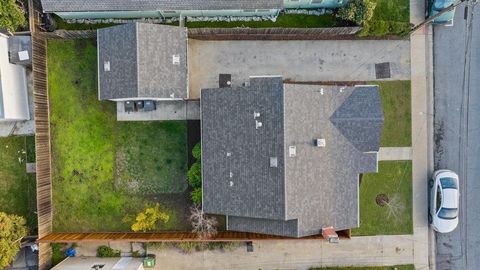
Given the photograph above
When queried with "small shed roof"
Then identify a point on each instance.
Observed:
(140, 60)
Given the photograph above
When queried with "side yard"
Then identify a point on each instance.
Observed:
(386, 200)
(396, 102)
(17, 192)
(105, 172)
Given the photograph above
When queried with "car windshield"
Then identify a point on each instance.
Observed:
(448, 182)
(441, 4)
(448, 213)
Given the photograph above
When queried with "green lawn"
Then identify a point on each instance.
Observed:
(394, 267)
(17, 192)
(286, 20)
(394, 179)
(104, 170)
(396, 102)
(391, 17)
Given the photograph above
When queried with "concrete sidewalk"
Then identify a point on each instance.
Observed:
(296, 254)
(422, 131)
(295, 60)
(395, 153)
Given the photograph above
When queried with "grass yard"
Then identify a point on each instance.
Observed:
(394, 181)
(391, 17)
(394, 267)
(285, 21)
(104, 170)
(17, 192)
(396, 102)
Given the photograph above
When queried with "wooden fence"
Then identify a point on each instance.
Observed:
(273, 33)
(224, 236)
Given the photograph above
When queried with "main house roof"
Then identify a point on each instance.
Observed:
(272, 177)
(134, 5)
(140, 60)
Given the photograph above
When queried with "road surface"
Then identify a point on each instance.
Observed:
(457, 132)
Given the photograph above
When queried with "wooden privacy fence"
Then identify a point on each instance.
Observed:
(69, 34)
(224, 236)
(42, 145)
(273, 33)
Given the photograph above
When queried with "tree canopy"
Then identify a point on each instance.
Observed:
(12, 230)
(11, 15)
(147, 220)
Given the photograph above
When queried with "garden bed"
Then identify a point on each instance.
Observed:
(386, 200)
(105, 171)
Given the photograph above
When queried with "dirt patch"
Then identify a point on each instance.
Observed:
(381, 199)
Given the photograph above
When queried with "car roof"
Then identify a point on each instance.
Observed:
(450, 198)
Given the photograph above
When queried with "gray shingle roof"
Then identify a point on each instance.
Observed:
(141, 63)
(318, 187)
(129, 5)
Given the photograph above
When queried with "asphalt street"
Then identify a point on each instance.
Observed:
(457, 132)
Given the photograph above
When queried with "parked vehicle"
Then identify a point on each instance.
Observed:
(435, 6)
(444, 201)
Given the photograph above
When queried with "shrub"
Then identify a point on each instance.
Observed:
(106, 251)
(194, 175)
(197, 151)
(12, 230)
(196, 196)
(11, 15)
(147, 220)
(357, 11)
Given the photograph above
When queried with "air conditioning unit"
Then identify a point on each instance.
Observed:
(320, 142)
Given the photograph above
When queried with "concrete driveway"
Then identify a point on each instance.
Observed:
(296, 60)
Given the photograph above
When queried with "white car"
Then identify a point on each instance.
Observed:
(444, 200)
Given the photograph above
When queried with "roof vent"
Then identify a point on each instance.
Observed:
(229, 154)
(258, 124)
(176, 59)
(256, 115)
(172, 95)
(273, 162)
(106, 65)
(231, 174)
(292, 151)
(231, 183)
(321, 91)
(320, 142)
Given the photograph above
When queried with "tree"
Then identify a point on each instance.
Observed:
(147, 220)
(11, 15)
(357, 11)
(205, 227)
(12, 230)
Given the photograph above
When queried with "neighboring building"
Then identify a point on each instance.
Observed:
(140, 61)
(97, 9)
(13, 86)
(20, 50)
(285, 159)
(97, 263)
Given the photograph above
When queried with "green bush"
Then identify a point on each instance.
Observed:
(196, 195)
(194, 175)
(106, 251)
(357, 11)
(58, 253)
(197, 151)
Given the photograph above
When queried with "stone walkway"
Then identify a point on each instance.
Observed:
(395, 153)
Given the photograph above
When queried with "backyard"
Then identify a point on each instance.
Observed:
(386, 200)
(17, 195)
(105, 172)
(396, 104)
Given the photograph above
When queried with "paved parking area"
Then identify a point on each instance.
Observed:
(296, 60)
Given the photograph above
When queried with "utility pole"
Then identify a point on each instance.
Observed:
(431, 18)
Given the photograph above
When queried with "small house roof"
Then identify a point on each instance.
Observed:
(140, 60)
